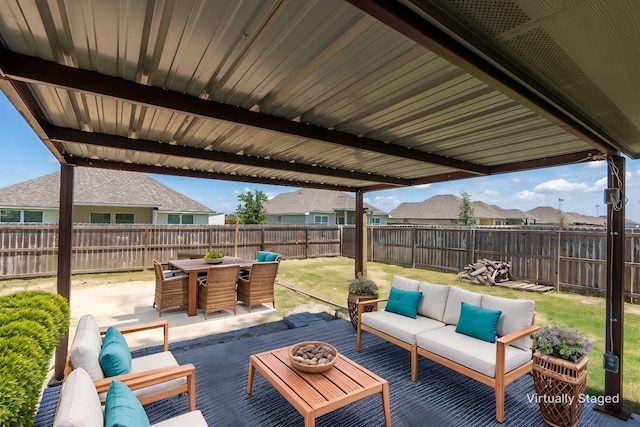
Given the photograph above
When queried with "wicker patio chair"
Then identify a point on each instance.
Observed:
(258, 288)
(218, 290)
(172, 289)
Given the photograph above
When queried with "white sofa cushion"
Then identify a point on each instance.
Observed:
(404, 284)
(401, 327)
(434, 300)
(454, 300)
(191, 419)
(79, 405)
(470, 352)
(85, 350)
(516, 314)
(155, 361)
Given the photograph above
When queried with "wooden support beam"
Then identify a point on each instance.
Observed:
(65, 226)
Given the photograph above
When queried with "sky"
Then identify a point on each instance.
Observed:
(580, 186)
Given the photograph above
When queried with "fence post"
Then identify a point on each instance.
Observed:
(472, 247)
(557, 281)
(414, 238)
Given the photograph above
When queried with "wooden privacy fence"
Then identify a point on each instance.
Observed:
(30, 250)
(567, 259)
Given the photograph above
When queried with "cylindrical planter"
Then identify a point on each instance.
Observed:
(352, 304)
(559, 385)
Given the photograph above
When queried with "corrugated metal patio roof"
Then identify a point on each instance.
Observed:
(344, 95)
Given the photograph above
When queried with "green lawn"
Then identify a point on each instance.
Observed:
(328, 277)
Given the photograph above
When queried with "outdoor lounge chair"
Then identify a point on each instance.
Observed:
(172, 288)
(258, 288)
(79, 403)
(95, 355)
(218, 290)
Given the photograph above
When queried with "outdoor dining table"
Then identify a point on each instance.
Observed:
(198, 265)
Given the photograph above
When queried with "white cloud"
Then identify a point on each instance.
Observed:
(492, 193)
(561, 185)
(527, 195)
(423, 186)
(597, 164)
(516, 180)
(386, 203)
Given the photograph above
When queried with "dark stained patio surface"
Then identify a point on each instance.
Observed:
(439, 397)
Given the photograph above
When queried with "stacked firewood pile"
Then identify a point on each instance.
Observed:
(486, 272)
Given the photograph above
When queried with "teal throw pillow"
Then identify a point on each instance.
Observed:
(115, 356)
(271, 256)
(122, 408)
(478, 322)
(403, 302)
(262, 255)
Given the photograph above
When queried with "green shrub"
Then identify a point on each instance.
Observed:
(31, 326)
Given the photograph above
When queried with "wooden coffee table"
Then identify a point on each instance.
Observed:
(318, 394)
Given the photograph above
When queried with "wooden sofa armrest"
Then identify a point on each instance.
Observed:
(164, 324)
(145, 379)
(501, 347)
(373, 302)
(515, 336)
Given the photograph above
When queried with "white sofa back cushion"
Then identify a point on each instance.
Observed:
(79, 405)
(434, 300)
(454, 300)
(516, 314)
(405, 284)
(85, 350)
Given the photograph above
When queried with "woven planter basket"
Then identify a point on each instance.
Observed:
(559, 385)
(352, 304)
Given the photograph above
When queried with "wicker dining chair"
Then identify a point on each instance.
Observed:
(171, 290)
(218, 290)
(258, 288)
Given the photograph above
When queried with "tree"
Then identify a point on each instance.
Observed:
(465, 215)
(251, 209)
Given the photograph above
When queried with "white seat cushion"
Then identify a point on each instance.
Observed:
(79, 405)
(85, 349)
(401, 327)
(155, 361)
(191, 419)
(516, 314)
(470, 352)
(434, 300)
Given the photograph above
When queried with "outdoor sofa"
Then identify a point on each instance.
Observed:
(110, 359)
(80, 405)
(484, 337)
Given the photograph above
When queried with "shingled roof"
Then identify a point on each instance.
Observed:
(100, 187)
(306, 199)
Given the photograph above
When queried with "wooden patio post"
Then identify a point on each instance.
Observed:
(65, 226)
(615, 290)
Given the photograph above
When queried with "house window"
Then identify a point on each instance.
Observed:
(9, 216)
(279, 218)
(100, 218)
(321, 219)
(124, 218)
(179, 219)
(374, 221)
(33, 216)
(340, 220)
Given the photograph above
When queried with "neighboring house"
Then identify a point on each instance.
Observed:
(101, 196)
(444, 209)
(546, 215)
(309, 206)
